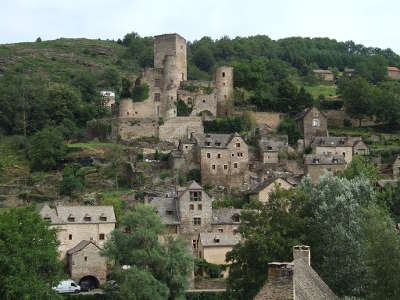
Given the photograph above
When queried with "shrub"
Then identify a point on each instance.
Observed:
(73, 179)
(182, 109)
(140, 92)
(194, 174)
(212, 270)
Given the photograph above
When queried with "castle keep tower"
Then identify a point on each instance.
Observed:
(170, 56)
(224, 86)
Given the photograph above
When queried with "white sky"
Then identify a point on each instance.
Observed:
(369, 22)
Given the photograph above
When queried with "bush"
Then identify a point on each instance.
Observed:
(225, 125)
(99, 129)
(194, 174)
(140, 92)
(288, 126)
(182, 110)
(331, 104)
(212, 270)
(46, 149)
(73, 179)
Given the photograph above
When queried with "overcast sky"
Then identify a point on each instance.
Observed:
(369, 22)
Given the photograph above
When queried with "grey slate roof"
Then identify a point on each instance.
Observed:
(267, 182)
(332, 141)
(210, 239)
(273, 143)
(82, 244)
(307, 283)
(303, 113)
(214, 140)
(167, 210)
(49, 213)
(79, 212)
(316, 159)
(224, 216)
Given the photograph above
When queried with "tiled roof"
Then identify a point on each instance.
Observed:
(316, 159)
(223, 216)
(393, 69)
(332, 141)
(166, 209)
(209, 239)
(97, 214)
(266, 183)
(214, 140)
(82, 244)
(303, 113)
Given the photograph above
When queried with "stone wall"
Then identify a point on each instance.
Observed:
(309, 130)
(175, 129)
(87, 262)
(223, 78)
(347, 152)
(129, 129)
(316, 171)
(271, 119)
(199, 101)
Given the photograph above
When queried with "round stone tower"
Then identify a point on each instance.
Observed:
(224, 88)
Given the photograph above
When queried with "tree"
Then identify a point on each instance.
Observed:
(73, 179)
(111, 79)
(381, 254)
(46, 149)
(204, 58)
(373, 68)
(164, 268)
(335, 231)
(287, 94)
(115, 169)
(361, 166)
(140, 92)
(303, 100)
(268, 235)
(126, 88)
(182, 109)
(29, 264)
(387, 103)
(358, 96)
(288, 126)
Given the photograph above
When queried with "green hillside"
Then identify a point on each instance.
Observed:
(61, 59)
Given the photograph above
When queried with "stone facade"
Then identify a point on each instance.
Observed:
(270, 146)
(311, 123)
(85, 260)
(325, 75)
(173, 130)
(78, 223)
(166, 83)
(224, 159)
(316, 165)
(396, 167)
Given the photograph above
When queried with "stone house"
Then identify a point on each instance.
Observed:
(316, 165)
(311, 123)
(325, 75)
(393, 73)
(213, 247)
(346, 146)
(79, 223)
(262, 191)
(396, 167)
(295, 281)
(270, 146)
(223, 159)
(85, 263)
(188, 212)
(108, 99)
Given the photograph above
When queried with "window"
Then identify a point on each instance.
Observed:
(70, 237)
(223, 74)
(235, 165)
(127, 113)
(73, 284)
(219, 155)
(85, 258)
(71, 218)
(220, 230)
(103, 218)
(186, 147)
(47, 219)
(170, 212)
(236, 218)
(240, 154)
(237, 145)
(233, 154)
(208, 144)
(157, 97)
(191, 206)
(316, 161)
(223, 83)
(315, 123)
(204, 100)
(213, 167)
(101, 236)
(216, 240)
(208, 155)
(199, 207)
(183, 74)
(217, 144)
(197, 221)
(194, 244)
(157, 83)
(195, 196)
(87, 218)
(344, 154)
(225, 167)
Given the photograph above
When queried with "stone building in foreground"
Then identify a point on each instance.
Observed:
(295, 281)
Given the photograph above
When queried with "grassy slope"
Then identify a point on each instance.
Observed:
(328, 91)
(60, 59)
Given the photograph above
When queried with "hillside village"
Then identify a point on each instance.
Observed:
(204, 158)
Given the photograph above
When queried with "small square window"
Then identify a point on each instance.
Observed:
(213, 167)
(199, 207)
(219, 155)
(191, 206)
(208, 155)
(197, 221)
(235, 165)
(238, 145)
(220, 230)
(70, 237)
(101, 236)
(225, 167)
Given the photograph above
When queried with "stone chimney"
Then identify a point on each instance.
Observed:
(302, 251)
(280, 281)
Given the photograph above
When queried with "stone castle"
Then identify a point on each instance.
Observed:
(167, 81)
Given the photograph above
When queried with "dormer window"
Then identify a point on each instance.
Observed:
(170, 212)
(71, 218)
(269, 148)
(208, 144)
(236, 218)
(216, 240)
(103, 218)
(335, 161)
(47, 218)
(87, 218)
(316, 161)
(195, 196)
(315, 123)
(217, 144)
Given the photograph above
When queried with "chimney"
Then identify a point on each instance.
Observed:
(302, 251)
(280, 281)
